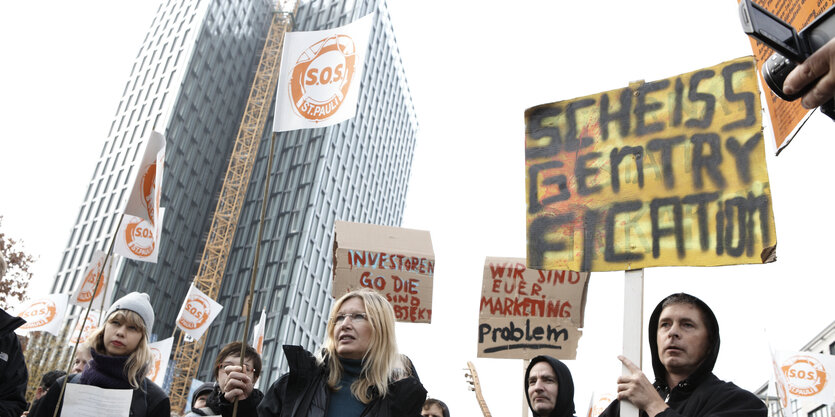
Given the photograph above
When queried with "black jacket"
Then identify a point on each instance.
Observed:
(701, 393)
(150, 400)
(219, 405)
(13, 373)
(304, 392)
(565, 387)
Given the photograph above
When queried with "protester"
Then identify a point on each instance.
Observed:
(820, 64)
(684, 344)
(82, 357)
(233, 382)
(13, 373)
(198, 400)
(357, 372)
(434, 408)
(549, 388)
(121, 359)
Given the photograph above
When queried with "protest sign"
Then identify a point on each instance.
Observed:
(399, 263)
(45, 314)
(87, 289)
(161, 353)
(526, 312)
(138, 239)
(666, 173)
(198, 313)
(320, 75)
(808, 376)
(89, 326)
(82, 400)
(144, 197)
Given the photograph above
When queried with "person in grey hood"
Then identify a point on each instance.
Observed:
(684, 343)
(549, 388)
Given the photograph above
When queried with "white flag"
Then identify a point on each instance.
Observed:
(138, 239)
(143, 200)
(599, 402)
(90, 325)
(320, 76)
(258, 334)
(781, 385)
(86, 291)
(808, 375)
(198, 313)
(45, 314)
(161, 352)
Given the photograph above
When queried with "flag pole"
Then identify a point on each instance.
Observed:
(84, 320)
(633, 309)
(249, 298)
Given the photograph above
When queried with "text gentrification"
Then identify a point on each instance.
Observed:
(527, 312)
(666, 173)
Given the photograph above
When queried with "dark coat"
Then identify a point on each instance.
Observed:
(565, 387)
(150, 400)
(13, 373)
(701, 394)
(304, 392)
(219, 405)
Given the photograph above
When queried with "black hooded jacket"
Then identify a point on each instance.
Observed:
(13, 374)
(565, 387)
(701, 394)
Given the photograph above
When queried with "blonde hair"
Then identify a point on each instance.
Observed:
(382, 363)
(139, 361)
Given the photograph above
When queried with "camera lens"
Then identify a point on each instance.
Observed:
(775, 70)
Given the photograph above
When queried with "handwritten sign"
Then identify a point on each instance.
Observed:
(399, 263)
(666, 173)
(526, 312)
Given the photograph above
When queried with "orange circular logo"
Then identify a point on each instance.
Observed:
(38, 314)
(195, 313)
(157, 359)
(89, 326)
(148, 187)
(806, 376)
(88, 289)
(601, 404)
(322, 77)
(139, 237)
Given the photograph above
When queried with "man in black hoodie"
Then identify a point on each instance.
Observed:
(684, 343)
(549, 388)
(13, 373)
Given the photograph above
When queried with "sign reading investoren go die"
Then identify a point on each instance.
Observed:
(665, 173)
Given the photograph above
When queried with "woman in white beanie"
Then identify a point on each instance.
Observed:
(121, 360)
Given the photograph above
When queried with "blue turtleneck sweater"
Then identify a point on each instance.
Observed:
(342, 403)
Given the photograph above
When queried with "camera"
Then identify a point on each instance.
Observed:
(791, 47)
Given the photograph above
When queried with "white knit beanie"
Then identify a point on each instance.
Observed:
(139, 303)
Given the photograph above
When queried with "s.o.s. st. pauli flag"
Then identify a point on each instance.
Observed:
(143, 201)
(320, 75)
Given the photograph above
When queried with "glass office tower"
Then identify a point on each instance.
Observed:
(190, 81)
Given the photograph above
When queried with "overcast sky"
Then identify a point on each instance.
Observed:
(473, 68)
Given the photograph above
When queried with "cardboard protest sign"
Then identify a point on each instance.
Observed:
(399, 263)
(89, 326)
(143, 200)
(138, 239)
(526, 312)
(320, 75)
(785, 115)
(198, 313)
(45, 314)
(808, 376)
(258, 334)
(87, 289)
(161, 352)
(666, 173)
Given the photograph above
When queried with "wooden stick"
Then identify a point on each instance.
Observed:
(633, 309)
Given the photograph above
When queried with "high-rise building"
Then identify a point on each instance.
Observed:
(190, 81)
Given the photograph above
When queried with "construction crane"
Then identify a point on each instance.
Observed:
(233, 191)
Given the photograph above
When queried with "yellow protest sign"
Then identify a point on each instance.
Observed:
(665, 173)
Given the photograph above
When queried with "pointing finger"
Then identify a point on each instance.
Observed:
(629, 365)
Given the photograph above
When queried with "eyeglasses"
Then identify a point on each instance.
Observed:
(339, 318)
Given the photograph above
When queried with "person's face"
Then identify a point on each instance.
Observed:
(351, 331)
(120, 337)
(682, 339)
(200, 402)
(542, 388)
(234, 360)
(82, 356)
(432, 411)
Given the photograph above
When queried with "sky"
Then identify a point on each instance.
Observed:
(473, 67)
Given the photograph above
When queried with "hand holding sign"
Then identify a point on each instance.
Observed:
(637, 389)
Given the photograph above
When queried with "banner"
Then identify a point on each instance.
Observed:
(396, 262)
(666, 173)
(137, 239)
(45, 314)
(808, 376)
(90, 325)
(780, 385)
(161, 352)
(198, 313)
(320, 76)
(143, 200)
(258, 334)
(526, 312)
(86, 291)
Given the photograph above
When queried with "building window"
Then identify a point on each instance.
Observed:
(795, 408)
(832, 348)
(819, 412)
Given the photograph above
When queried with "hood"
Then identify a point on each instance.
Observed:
(9, 323)
(706, 367)
(565, 387)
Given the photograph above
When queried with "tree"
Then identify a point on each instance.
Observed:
(14, 271)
